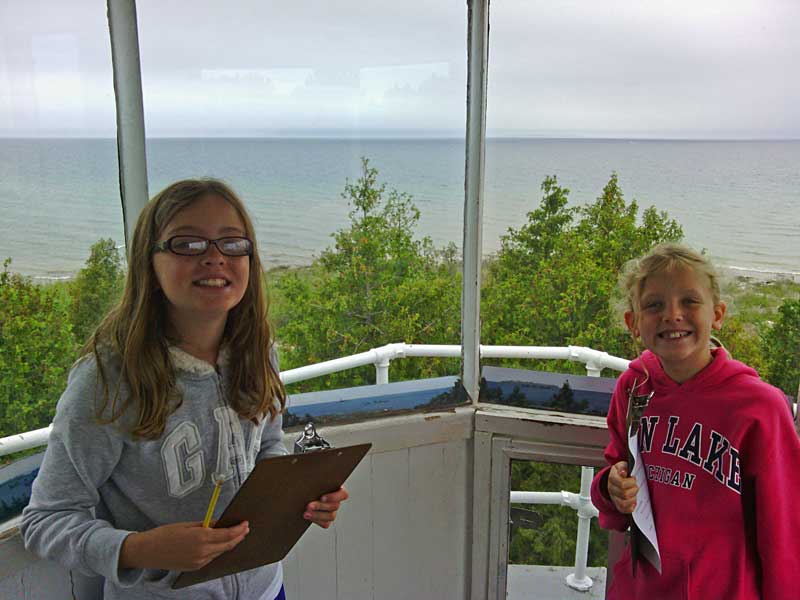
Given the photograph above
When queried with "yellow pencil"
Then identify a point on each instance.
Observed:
(212, 503)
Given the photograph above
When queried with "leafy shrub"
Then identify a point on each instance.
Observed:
(96, 288)
(37, 348)
(554, 279)
(782, 348)
(378, 284)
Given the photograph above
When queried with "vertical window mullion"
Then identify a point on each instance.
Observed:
(477, 65)
(130, 111)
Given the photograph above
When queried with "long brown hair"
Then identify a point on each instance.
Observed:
(137, 329)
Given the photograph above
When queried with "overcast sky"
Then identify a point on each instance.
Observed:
(682, 69)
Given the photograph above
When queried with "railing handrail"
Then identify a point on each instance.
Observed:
(595, 360)
(380, 357)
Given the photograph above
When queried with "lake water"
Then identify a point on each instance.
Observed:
(740, 200)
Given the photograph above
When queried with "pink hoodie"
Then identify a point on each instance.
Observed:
(722, 460)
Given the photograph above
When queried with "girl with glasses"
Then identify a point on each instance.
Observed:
(176, 390)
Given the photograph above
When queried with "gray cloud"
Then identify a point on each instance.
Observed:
(683, 69)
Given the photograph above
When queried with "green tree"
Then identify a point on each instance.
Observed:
(554, 279)
(744, 341)
(96, 288)
(37, 348)
(782, 348)
(377, 284)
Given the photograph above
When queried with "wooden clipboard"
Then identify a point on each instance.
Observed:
(272, 499)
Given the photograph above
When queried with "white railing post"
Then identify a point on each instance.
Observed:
(579, 580)
(382, 370)
(592, 370)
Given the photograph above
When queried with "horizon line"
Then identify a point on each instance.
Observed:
(345, 137)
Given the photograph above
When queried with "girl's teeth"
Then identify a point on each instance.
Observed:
(212, 282)
(676, 334)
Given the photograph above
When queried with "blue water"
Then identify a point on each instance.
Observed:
(740, 200)
(378, 402)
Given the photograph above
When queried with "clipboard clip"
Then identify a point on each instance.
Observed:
(310, 440)
(636, 408)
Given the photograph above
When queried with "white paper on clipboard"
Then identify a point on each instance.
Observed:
(643, 513)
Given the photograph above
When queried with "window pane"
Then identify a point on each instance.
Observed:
(283, 101)
(60, 211)
(686, 108)
(544, 531)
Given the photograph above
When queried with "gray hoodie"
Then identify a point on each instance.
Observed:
(97, 484)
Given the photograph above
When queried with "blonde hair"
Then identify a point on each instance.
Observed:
(137, 330)
(661, 258)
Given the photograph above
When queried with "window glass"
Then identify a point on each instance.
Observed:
(61, 229)
(596, 113)
(543, 533)
(286, 102)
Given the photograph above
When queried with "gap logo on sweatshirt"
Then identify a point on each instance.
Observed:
(183, 457)
(704, 448)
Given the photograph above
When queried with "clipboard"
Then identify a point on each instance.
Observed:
(639, 544)
(272, 499)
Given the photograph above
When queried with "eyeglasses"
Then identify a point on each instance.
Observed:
(193, 245)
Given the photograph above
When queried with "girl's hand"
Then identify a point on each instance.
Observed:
(622, 489)
(323, 511)
(179, 546)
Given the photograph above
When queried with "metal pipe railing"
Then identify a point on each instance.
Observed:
(582, 504)
(595, 360)
(25, 441)
(381, 358)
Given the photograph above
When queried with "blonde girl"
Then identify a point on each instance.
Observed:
(721, 457)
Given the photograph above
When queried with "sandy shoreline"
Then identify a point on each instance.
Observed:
(728, 272)
(760, 275)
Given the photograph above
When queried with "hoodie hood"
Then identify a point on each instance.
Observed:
(716, 373)
(183, 361)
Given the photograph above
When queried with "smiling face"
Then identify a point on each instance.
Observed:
(209, 285)
(675, 315)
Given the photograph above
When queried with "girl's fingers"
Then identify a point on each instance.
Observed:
(623, 482)
(330, 501)
(215, 548)
(323, 511)
(226, 535)
(625, 506)
(338, 496)
(322, 506)
(324, 517)
(627, 491)
(325, 520)
(320, 517)
(624, 495)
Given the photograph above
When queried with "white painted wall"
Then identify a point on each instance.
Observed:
(403, 534)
